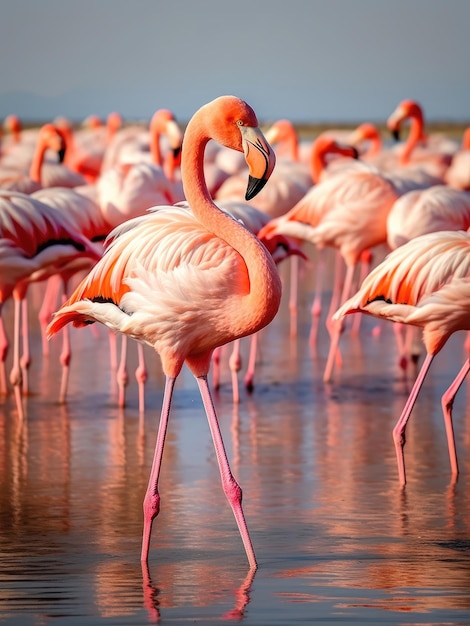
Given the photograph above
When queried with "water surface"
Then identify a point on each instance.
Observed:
(337, 540)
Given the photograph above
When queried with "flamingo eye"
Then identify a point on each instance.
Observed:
(240, 123)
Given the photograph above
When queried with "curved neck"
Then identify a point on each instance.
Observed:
(317, 161)
(293, 143)
(37, 161)
(155, 147)
(466, 139)
(263, 296)
(415, 135)
(375, 145)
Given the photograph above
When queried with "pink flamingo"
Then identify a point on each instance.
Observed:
(347, 211)
(416, 213)
(187, 282)
(85, 147)
(16, 179)
(86, 216)
(420, 151)
(289, 183)
(35, 242)
(388, 162)
(129, 189)
(425, 283)
(458, 172)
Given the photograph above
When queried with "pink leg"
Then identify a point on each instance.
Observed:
(250, 370)
(399, 331)
(3, 356)
(447, 403)
(216, 368)
(316, 309)
(235, 364)
(152, 497)
(48, 307)
(366, 260)
(338, 327)
(25, 360)
(15, 374)
(230, 486)
(335, 296)
(113, 350)
(66, 353)
(293, 294)
(141, 375)
(122, 375)
(400, 426)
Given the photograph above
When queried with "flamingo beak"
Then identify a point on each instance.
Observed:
(259, 157)
(61, 154)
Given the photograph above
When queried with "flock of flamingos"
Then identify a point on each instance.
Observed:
(175, 238)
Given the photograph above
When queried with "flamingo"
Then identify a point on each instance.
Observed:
(139, 180)
(16, 179)
(433, 155)
(347, 211)
(85, 147)
(131, 187)
(404, 178)
(424, 282)
(289, 183)
(458, 172)
(187, 282)
(35, 242)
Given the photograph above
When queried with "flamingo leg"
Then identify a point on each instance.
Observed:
(316, 304)
(3, 356)
(447, 403)
(250, 370)
(15, 374)
(152, 497)
(235, 363)
(66, 353)
(141, 375)
(230, 486)
(216, 367)
(293, 294)
(122, 375)
(366, 260)
(48, 306)
(337, 327)
(335, 295)
(113, 350)
(400, 426)
(25, 360)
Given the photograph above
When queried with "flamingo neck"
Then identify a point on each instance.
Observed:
(37, 162)
(317, 164)
(155, 148)
(292, 144)
(169, 166)
(466, 140)
(262, 299)
(375, 145)
(415, 135)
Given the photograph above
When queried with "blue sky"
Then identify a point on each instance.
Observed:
(308, 60)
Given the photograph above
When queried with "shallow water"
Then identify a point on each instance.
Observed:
(336, 539)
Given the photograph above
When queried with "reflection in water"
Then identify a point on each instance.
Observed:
(337, 539)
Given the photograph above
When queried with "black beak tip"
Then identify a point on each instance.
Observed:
(396, 135)
(254, 186)
(61, 155)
